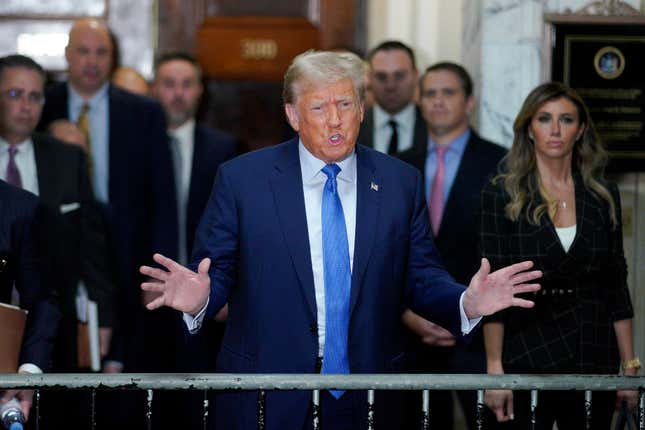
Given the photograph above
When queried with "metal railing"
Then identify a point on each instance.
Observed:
(316, 383)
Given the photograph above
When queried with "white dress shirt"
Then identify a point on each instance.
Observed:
(313, 182)
(404, 125)
(25, 161)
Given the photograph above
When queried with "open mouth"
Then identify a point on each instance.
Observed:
(336, 139)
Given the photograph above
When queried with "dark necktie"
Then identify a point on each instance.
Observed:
(338, 279)
(83, 124)
(13, 174)
(393, 149)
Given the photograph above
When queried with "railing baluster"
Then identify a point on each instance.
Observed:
(315, 409)
(149, 410)
(37, 408)
(205, 411)
(425, 410)
(262, 397)
(588, 407)
(93, 409)
(370, 409)
(641, 409)
(480, 409)
(534, 403)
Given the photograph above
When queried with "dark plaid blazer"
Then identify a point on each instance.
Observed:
(583, 291)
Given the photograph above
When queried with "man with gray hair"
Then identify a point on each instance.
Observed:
(309, 288)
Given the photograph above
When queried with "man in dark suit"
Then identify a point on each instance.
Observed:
(131, 174)
(19, 270)
(394, 124)
(453, 184)
(197, 151)
(309, 288)
(130, 165)
(71, 238)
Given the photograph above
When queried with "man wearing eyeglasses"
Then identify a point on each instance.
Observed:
(71, 244)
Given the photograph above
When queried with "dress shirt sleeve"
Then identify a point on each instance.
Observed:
(194, 323)
(466, 324)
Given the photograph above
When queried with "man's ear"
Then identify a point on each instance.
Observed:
(292, 116)
(470, 104)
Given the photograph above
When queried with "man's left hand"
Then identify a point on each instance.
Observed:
(491, 292)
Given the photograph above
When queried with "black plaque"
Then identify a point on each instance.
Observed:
(606, 65)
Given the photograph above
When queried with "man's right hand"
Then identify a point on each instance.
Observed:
(180, 288)
(429, 332)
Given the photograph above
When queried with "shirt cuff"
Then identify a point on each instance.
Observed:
(466, 324)
(194, 323)
(29, 368)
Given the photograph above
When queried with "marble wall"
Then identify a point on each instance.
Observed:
(504, 48)
(40, 29)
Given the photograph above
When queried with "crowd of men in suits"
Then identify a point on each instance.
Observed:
(134, 178)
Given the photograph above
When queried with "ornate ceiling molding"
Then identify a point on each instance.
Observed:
(608, 8)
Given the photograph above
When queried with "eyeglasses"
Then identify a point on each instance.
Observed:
(15, 95)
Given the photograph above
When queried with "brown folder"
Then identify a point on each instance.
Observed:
(12, 327)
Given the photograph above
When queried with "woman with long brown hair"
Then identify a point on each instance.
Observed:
(551, 204)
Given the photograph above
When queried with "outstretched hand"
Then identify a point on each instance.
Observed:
(491, 292)
(179, 287)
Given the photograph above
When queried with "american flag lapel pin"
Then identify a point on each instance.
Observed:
(373, 186)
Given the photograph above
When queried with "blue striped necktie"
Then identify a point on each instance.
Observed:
(338, 279)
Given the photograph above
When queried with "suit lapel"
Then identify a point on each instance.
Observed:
(465, 180)
(420, 137)
(45, 170)
(117, 138)
(199, 153)
(367, 211)
(286, 184)
(367, 129)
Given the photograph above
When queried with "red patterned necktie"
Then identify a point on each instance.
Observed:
(436, 194)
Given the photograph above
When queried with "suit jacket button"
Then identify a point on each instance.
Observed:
(313, 328)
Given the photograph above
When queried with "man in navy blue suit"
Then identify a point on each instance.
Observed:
(318, 245)
(19, 269)
(198, 151)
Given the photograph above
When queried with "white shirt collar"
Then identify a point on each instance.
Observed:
(25, 147)
(404, 118)
(311, 166)
(77, 102)
(185, 132)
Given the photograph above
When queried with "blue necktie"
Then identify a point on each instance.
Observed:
(338, 279)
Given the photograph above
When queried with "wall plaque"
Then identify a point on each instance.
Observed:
(252, 48)
(606, 65)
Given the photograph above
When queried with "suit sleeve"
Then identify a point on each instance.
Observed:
(619, 303)
(97, 269)
(44, 315)
(430, 290)
(217, 239)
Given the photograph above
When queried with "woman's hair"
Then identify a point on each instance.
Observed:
(519, 174)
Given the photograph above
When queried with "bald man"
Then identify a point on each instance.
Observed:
(131, 172)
